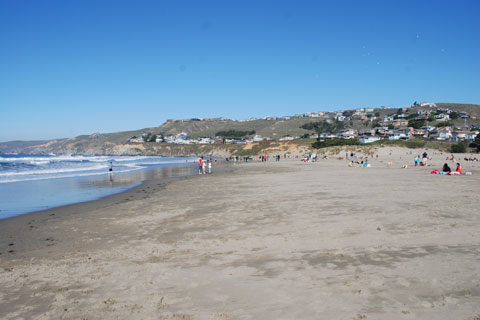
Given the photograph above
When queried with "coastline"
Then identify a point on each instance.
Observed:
(12, 227)
(274, 240)
(45, 187)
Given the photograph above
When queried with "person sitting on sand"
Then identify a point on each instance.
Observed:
(446, 168)
(459, 169)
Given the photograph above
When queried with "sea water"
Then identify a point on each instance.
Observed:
(31, 183)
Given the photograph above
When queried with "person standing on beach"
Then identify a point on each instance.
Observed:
(209, 167)
(424, 160)
(110, 172)
(200, 160)
(204, 167)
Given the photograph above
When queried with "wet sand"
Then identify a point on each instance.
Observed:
(275, 240)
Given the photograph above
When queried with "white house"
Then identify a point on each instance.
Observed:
(444, 134)
(397, 136)
(258, 138)
(368, 139)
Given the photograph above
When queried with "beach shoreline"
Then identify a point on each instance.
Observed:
(12, 226)
(272, 240)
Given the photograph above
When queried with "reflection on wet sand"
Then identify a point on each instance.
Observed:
(29, 196)
(134, 177)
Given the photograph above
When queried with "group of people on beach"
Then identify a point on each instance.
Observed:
(204, 165)
(359, 160)
(424, 161)
(446, 170)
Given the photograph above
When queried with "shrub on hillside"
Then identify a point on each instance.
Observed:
(234, 133)
(335, 142)
(476, 142)
(458, 148)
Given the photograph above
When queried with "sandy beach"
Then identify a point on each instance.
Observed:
(274, 240)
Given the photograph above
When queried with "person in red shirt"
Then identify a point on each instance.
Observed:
(459, 168)
(200, 165)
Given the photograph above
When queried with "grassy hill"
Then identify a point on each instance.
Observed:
(275, 129)
(266, 128)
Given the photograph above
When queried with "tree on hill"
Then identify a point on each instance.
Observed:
(458, 148)
(416, 124)
(477, 142)
(323, 126)
(335, 142)
(444, 124)
(453, 115)
(152, 138)
(234, 134)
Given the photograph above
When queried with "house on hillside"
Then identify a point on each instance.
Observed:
(347, 134)
(463, 135)
(397, 136)
(419, 132)
(428, 104)
(387, 118)
(325, 135)
(368, 139)
(400, 122)
(442, 117)
(442, 134)
(463, 115)
(422, 117)
(258, 138)
(135, 139)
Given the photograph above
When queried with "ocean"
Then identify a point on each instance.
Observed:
(30, 183)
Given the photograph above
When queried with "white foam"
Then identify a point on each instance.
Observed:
(74, 165)
(133, 168)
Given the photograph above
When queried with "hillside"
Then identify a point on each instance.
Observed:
(20, 146)
(108, 143)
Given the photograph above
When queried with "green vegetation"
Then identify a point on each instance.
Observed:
(234, 134)
(336, 142)
(453, 115)
(440, 124)
(416, 124)
(412, 143)
(323, 126)
(152, 138)
(476, 143)
(458, 148)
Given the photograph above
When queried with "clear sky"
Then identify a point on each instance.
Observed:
(78, 67)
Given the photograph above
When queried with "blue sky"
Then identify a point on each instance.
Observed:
(78, 67)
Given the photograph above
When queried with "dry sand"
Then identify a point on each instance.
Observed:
(276, 240)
